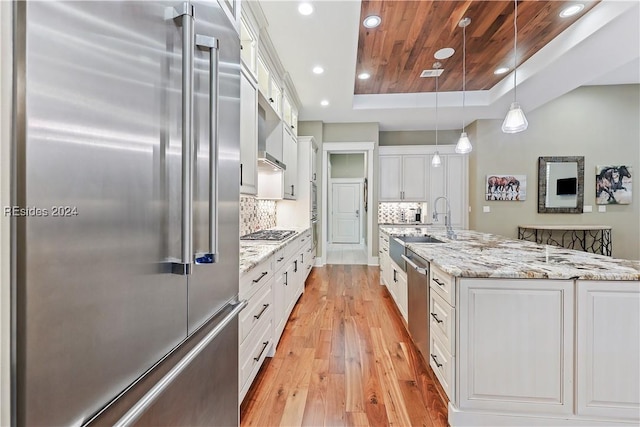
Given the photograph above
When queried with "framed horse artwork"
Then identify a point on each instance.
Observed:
(506, 187)
(613, 185)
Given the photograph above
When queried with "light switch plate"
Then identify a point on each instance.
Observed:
(602, 208)
(587, 208)
(486, 209)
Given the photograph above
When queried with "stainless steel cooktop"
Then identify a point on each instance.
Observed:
(268, 235)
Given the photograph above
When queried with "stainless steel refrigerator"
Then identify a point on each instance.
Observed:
(125, 275)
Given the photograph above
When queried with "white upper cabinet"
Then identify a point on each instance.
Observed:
(390, 178)
(248, 136)
(249, 48)
(403, 178)
(414, 174)
(406, 175)
(290, 158)
(290, 115)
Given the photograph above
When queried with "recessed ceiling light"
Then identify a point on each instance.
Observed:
(501, 70)
(324, 102)
(305, 9)
(571, 10)
(372, 21)
(444, 53)
(318, 70)
(364, 76)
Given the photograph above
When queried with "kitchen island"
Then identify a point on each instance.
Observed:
(529, 334)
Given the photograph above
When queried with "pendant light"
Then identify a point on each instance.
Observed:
(464, 145)
(436, 162)
(515, 121)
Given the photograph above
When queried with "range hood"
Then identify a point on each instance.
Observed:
(267, 162)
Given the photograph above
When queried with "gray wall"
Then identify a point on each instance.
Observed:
(347, 165)
(600, 123)
(346, 132)
(418, 137)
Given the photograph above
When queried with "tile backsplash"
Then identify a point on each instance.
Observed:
(396, 213)
(256, 214)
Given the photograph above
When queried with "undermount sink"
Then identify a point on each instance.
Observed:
(418, 239)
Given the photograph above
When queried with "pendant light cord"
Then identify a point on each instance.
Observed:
(436, 111)
(515, 50)
(464, 69)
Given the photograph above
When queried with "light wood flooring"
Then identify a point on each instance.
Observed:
(345, 358)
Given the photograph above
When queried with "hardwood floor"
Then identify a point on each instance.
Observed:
(344, 358)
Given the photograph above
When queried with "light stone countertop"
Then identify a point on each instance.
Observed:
(475, 254)
(253, 252)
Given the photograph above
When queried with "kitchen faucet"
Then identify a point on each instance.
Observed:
(447, 216)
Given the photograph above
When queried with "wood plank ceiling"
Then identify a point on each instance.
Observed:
(396, 52)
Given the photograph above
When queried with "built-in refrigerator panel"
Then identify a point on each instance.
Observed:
(96, 303)
(213, 285)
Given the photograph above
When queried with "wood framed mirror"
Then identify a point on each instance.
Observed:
(560, 184)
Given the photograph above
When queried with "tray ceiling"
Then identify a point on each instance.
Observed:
(396, 52)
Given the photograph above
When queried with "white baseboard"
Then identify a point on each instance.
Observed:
(459, 417)
(319, 262)
(373, 261)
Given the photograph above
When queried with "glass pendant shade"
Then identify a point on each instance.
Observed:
(515, 121)
(464, 145)
(435, 161)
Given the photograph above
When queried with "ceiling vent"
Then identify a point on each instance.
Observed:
(431, 73)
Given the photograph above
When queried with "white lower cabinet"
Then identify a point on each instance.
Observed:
(608, 349)
(397, 286)
(516, 345)
(272, 289)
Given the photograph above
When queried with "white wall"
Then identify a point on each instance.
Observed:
(5, 140)
(598, 122)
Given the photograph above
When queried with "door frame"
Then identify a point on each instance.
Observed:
(332, 181)
(346, 148)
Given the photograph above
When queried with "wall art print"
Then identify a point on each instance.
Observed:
(506, 187)
(613, 185)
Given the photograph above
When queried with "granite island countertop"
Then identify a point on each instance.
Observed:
(253, 252)
(475, 254)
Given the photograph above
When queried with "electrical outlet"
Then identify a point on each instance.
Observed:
(602, 208)
(587, 208)
(486, 209)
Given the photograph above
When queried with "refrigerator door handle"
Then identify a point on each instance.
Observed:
(152, 395)
(186, 15)
(211, 44)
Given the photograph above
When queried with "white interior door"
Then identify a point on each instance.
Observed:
(345, 218)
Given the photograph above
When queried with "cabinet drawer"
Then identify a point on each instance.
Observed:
(442, 364)
(260, 306)
(292, 248)
(255, 278)
(278, 259)
(443, 284)
(254, 350)
(442, 320)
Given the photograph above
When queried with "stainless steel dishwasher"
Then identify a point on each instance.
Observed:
(418, 290)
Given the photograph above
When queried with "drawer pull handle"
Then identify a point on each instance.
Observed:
(259, 315)
(433, 356)
(309, 250)
(295, 266)
(264, 273)
(264, 347)
(438, 281)
(302, 241)
(436, 317)
(280, 259)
